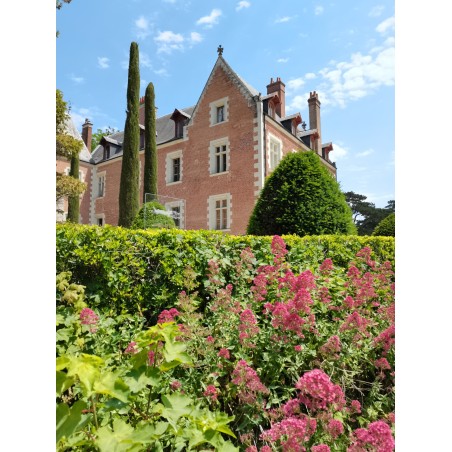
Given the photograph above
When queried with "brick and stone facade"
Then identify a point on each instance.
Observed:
(213, 158)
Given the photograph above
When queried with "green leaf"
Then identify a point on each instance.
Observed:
(86, 368)
(176, 406)
(139, 379)
(63, 382)
(110, 384)
(122, 438)
(63, 334)
(69, 420)
(62, 362)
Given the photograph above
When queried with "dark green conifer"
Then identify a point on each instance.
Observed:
(150, 144)
(129, 189)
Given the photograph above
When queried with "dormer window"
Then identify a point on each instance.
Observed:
(106, 152)
(179, 128)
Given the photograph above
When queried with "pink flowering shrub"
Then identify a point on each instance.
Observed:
(377, 437)
(90, 318)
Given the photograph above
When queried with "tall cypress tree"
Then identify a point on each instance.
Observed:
(150, 144)
(73, 208)
(129, 189)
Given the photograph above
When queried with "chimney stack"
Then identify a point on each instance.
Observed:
(279, 88)
(314, 121)
(87, 133)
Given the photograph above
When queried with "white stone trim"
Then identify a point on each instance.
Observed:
(211, 210)
(169, 167)
(259, 150)
(224, 102)
(272, 139)
(98, 216)
(212, 161)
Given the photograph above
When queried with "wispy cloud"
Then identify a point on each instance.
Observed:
(281, 20)
(162, 72)
(376, 11)
(195, 37)
(242, 4)
(386, 25)
(310, 76)
(76, 79)
(342, 82)
(338, 152)
(210, 20)
(102, 62)
(282, 60)
(318, 10)
(145, 61)
(365, 153)
(142, 27)
(167, 41)
(295, 83)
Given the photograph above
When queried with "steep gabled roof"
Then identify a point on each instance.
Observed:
(245, 88)
(71, 130)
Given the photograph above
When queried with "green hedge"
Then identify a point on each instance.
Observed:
(143, 271)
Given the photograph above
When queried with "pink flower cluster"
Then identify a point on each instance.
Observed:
(320, 448)
(248, 328)
(292, 433)
(317, 391)
(89, 317)
(211, 392)
(377, 436)
(249, 382)
(331, 347)
(335, 428)
(278, 248)
(132, 348)
(175, 385)
(224, 353)
(326, 267)
(168, 315)
(386, 339)
(382, 364)
(354, 322)
(355, 407)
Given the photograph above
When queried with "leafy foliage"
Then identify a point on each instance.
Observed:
(300, 197)
(143, 271)
(149, 218)
(97, 136)
(74, 198)
(129, 188)
(386, 227)
(150, 144)
(281, 357)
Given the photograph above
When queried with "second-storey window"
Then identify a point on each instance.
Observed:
(176, 169)
(219, 156)
(275, 153)
(100, 186)
(174, 164)
(219, 111)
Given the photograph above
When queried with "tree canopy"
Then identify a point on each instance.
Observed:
(97, 136)
(365, 215)
(150, 144)
(386, 227)
(301, 197)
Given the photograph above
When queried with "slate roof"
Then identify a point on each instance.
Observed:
(165, 132)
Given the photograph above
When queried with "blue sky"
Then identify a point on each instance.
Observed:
(343, 50)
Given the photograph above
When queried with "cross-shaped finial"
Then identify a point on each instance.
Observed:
(220, 50)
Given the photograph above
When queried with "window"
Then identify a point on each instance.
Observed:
(219, 111)
(106, 152)
(275, 152)
(175, 213)
(220, 114)
(219, 156)
(179, 129)
(99, 219)
(271, 110)
(174, 167)
(100, 222)
(220, 159)
(220, 212)
(100, 185)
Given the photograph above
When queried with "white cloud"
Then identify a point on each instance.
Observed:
(376, 11)
(210, 20)
(168, 41)
(295, 83)
(195, 37)
(338, 152)
(282, 60)
(77, 80)
(386, 25)
(142, 27)
(284, 19)
(103, 62)
(365, 153)
(162, 72)
(310, 76)
(319, 10)
(242, 4)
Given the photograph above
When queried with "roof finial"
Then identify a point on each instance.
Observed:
(220, 50)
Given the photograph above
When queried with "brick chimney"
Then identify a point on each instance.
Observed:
(87, 133)
(279, 88)
(314, 121)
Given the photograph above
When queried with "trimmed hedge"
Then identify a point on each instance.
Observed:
(144, 270)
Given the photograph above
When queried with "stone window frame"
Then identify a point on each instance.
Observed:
(214, 144)
(169, 168)
(212, 211)
(223, 102)
(101, 176)
(273, 140)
